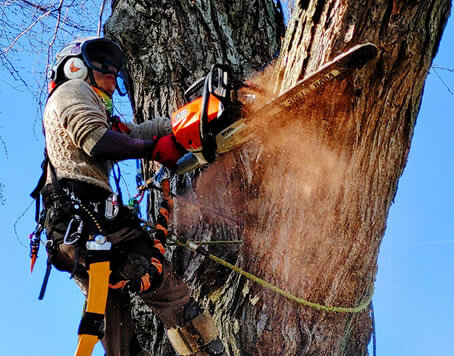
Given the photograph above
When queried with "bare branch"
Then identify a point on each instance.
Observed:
(439, 77)
(2, 198)
(26, 30)
(69, 23)
(443, 68)
(10, 85)
(15, 74)
(4, 146)
(36, 6)
(17, 222)
(57, 25)
(101, 11)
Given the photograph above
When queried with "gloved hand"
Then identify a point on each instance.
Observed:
(140, 274)
(149, 281)
(167, 151)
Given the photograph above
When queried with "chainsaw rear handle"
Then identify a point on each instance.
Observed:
(222, 89)
(223, 69)
(194, 88)
(222, 92)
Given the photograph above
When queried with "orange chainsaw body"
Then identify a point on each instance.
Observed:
(186, 122)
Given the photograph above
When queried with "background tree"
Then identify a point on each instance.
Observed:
(310, 201)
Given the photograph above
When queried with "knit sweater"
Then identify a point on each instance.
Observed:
(74, 121)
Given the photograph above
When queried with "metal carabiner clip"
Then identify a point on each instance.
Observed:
(112, 207)
(72, 237)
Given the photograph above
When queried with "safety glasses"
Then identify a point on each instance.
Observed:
(103, 55)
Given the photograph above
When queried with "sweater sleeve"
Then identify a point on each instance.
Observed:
(117, 146)
(81, 113)
(159, 127)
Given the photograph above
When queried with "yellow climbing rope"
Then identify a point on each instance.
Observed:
(202, 243)
(321, 307)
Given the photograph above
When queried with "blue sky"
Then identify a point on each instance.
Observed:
(413, 304)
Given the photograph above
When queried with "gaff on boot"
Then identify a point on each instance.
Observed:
(200, 333)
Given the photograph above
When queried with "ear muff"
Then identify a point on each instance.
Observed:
(75, 68)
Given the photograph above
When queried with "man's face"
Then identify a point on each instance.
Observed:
(106, 81)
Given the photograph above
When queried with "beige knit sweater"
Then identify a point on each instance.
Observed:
(75, 119)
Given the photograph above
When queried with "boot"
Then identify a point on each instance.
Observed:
(144, 353)
(199, 335)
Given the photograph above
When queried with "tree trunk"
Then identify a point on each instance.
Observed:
(309, 200)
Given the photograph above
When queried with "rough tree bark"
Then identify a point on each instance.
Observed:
(309, 200)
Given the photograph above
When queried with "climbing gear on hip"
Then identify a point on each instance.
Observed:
(57, 200)
(112, 207)
(35, 240)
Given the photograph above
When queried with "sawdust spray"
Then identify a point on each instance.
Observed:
(269, 188)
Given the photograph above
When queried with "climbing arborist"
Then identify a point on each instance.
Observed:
(89, 232)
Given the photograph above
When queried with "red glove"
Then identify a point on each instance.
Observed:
(167, 151)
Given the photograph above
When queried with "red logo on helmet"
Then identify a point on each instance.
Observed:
(73, 68)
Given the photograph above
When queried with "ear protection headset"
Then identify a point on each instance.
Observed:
(75, 68)
(75, 61)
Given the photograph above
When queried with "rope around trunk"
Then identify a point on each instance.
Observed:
(260, 281)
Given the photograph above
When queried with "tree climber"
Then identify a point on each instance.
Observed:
(82, 215)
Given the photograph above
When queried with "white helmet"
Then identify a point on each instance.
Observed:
(80, 57)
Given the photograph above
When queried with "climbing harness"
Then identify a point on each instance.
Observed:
(59, 201)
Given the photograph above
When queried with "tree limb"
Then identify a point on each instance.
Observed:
(101, 11)
(439, 77)
(26, 30)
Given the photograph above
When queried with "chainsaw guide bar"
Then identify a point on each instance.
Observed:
(355, 58)
(206, 128)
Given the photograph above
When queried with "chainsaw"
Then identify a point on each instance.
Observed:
(212, 123)
(218, 122)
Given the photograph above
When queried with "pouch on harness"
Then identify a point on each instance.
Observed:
(56, 203)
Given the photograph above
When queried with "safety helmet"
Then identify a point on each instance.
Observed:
(80, 57)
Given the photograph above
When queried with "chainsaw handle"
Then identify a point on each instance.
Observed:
(194, 88)
(223, 69)
(223, 81)
(206, 138)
